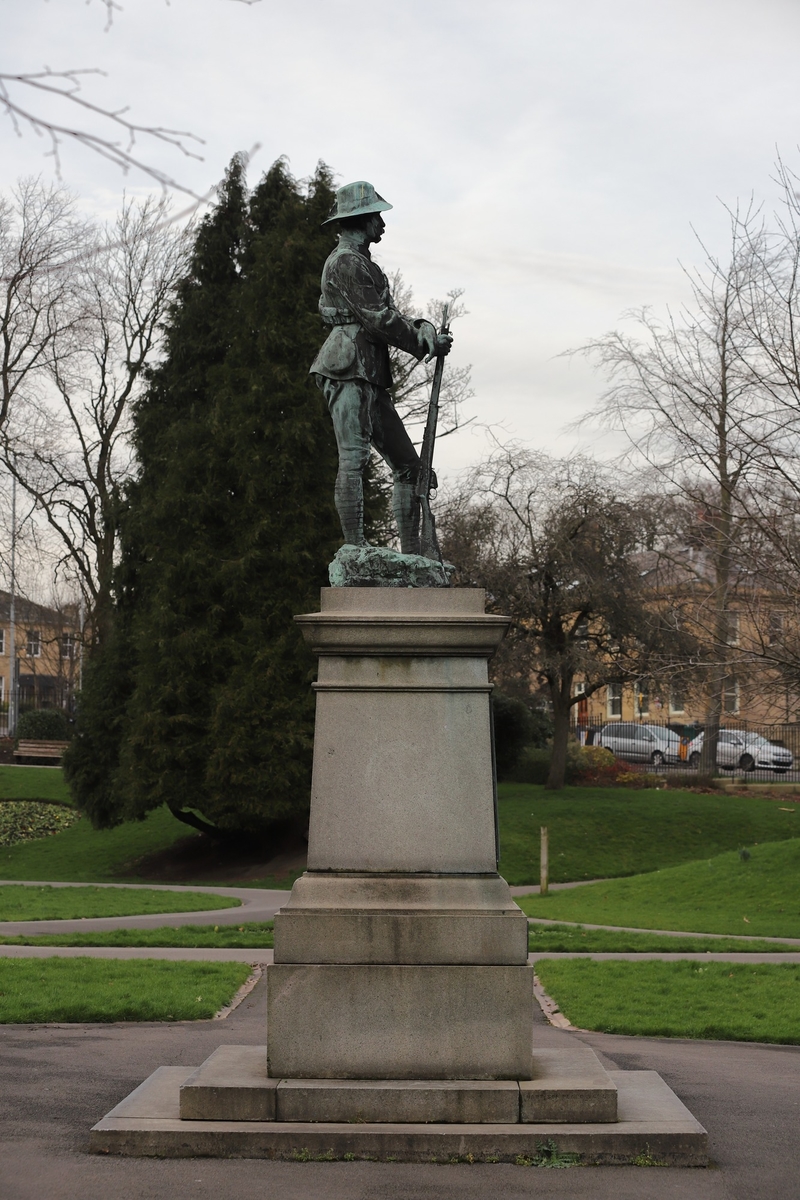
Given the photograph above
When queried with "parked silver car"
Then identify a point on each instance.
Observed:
(641, 743)
(746, 751)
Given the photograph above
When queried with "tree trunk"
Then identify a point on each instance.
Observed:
(190, 818)
(721, 653)
(560, 696)
(708, 757)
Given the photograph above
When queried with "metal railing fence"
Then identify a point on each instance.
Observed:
(747, 749)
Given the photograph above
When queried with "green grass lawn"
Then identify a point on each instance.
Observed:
(33, 783)
(594, 833)
(254, 935)
(30, 903)
(34, 990)
(573, 939)
(719, 895)
(750, 1002)
(599, 833)
(82, 854)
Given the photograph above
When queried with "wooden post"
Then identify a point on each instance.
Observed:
(544, 861)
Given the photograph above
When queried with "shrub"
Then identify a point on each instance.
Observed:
(513, 730)
(45, 724)
(639, 779)
(594, 766)
(587, 766)
(532, 766)
(541, 729)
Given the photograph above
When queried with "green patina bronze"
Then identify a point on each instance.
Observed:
(352, 370)
(376, 566)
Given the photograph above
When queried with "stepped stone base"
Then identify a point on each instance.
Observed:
(231, 1085)
(652, 1121)
(400, 1101)
(568, 1085)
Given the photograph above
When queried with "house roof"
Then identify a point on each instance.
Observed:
(37, 615)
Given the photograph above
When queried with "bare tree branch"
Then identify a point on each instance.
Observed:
(65, 85)
(66, 440)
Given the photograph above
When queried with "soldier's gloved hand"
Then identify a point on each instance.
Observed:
(437, 344)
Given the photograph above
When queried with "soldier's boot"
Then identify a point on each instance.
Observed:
(406, 514)
(349, 500)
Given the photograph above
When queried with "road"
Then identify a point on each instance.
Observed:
(58, 1080)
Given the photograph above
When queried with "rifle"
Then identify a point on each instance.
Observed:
(428, 541)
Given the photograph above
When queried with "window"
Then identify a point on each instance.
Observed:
(582, 633)
(775, 627)
(730, 695)
(614, 699)
(733, 629)
(34, 646)
(642, 697)
(68, 645)
(2, 641)
(676, 701)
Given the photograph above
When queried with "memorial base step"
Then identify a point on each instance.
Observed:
(652, 1122)
(566, 1085)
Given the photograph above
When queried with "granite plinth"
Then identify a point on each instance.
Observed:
(375, 1021)
(402, 775)
(402, 919)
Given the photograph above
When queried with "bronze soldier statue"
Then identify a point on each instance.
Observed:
(352, 367)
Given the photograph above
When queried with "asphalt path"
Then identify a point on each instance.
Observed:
(58, 1080)
(264, 955)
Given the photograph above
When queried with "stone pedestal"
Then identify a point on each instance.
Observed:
(400, 999)
(401, 954)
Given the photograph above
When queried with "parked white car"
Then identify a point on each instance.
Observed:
(641, 743)
(746, 751)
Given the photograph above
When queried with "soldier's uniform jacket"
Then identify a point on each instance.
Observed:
(357, 303)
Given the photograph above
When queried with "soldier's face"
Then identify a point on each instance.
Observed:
(375, 227)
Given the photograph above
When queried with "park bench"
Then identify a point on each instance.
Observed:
(37, 748)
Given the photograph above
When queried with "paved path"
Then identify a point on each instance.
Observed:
(58, 1080)
(224, 954)
(533, 889)
(261, 904)
(258, 904)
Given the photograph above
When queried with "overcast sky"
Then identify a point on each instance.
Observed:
(549, 156)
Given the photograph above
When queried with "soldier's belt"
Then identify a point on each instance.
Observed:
(331, 317)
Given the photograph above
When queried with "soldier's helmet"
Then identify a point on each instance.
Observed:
(356, 200)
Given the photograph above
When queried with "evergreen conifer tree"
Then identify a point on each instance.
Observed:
(197, 342)
(236, 520)
(231, 523)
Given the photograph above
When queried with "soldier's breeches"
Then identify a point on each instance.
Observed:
(363, 416)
